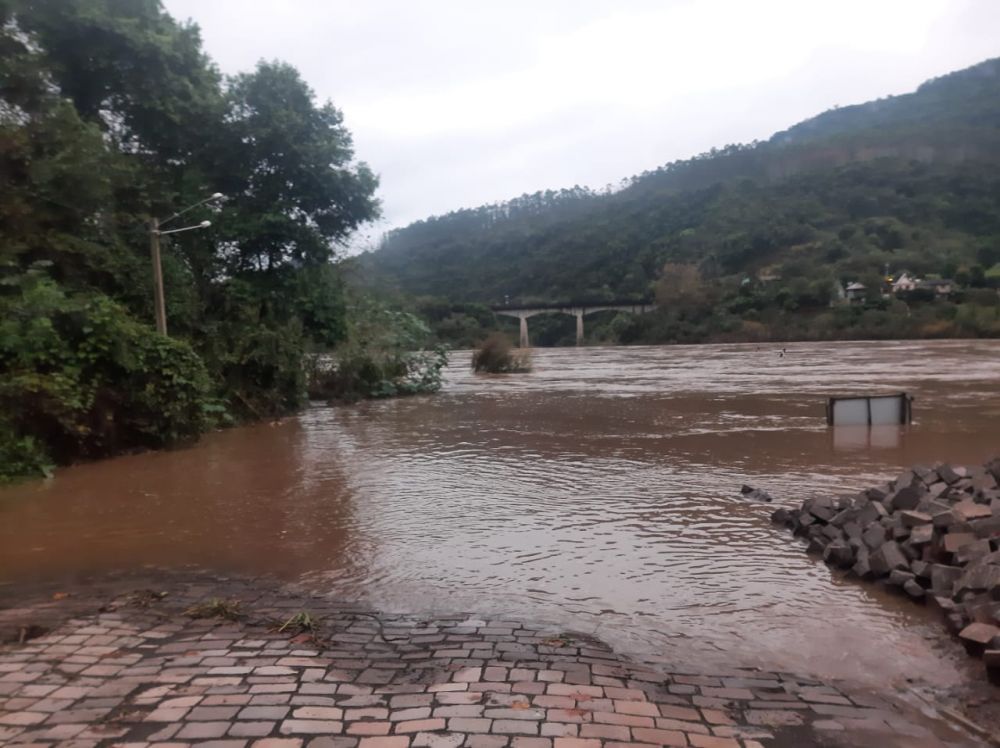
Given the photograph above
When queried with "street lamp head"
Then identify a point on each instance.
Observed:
(216, 196)
(205, 224)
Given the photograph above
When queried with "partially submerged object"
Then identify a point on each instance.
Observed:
(870, 410)
(755, 494)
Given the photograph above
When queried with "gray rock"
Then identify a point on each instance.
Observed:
(862, 568)
(914, 590)
(839, 554)
(968, 510)
(944, 603)
(982, 609)
(922, 535)
(988, 527)
(833, 533)
(922, 569)
(973, 551)
(978, 634)
(946, 518)
(947, 473)
(943, 579)
(877, 494)
(907, 498)
(977, 577)
(870, 512)
(911, 518)
(993, 467)
(898, 577)
(817, 545)
(874, 536)
(781, 517)
(821, 508)
(889, 556)
(755, 494)
(934, 490)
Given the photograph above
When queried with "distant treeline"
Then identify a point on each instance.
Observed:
(904, 183)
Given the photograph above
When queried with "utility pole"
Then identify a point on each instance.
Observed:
(158, 303)
(155, 232)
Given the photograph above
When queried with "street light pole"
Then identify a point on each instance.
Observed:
(158, 302)
(155, 233)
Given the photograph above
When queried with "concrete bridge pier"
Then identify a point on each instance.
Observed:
(523, 312)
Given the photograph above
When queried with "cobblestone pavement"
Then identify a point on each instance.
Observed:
(139, 672)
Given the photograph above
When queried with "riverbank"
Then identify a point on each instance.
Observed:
(932, 533)
(124, 661)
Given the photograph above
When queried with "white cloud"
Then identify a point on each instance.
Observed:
(456, 103)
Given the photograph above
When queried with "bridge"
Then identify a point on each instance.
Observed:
(578, 310)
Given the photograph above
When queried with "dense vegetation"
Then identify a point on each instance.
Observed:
(111, 114)
(772, 230)
(496, 355)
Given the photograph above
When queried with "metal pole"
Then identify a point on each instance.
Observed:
(158, 303)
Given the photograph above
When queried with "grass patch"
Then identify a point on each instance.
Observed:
(299, 623)
(228, 610)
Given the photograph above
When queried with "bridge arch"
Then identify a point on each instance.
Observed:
(578, 310)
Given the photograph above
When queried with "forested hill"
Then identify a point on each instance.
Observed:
(909, 181)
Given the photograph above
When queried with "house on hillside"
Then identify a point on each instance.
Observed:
(940, 286)
(905, 282)
(855, 292)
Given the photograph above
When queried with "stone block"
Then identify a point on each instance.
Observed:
(968, 510)
(832, 532)
(839, 554)
(984, 577)
(982, 609)
(939, 488)
(912, 518)
(914, 590)
(781, 516)
(973, 551)
(862, 566)
(907, 498)
(898, 577)
(877, 494)
(988, 527)
(922, 535)
(955, 540)
(976, 636)
(906, 479)
(874, 536)
(889, 556)
(821, 508)
(948, 474)
(943, 579)
(945, 519)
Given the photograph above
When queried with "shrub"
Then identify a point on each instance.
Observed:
(495, 355)
(383, 356)
(80, 378)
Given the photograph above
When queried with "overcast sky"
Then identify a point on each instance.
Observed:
(455, 103)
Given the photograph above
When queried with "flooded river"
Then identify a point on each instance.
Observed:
(600, 492)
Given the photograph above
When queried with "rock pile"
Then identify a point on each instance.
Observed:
(934, 532)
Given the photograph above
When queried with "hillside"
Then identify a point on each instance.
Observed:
(907, 181)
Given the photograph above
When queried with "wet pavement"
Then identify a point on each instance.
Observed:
(133, 669)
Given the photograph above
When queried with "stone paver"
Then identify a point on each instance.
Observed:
(141, 673)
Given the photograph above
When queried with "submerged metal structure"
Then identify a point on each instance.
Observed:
(870, 410)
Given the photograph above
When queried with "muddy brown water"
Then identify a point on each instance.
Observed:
(600, 492)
